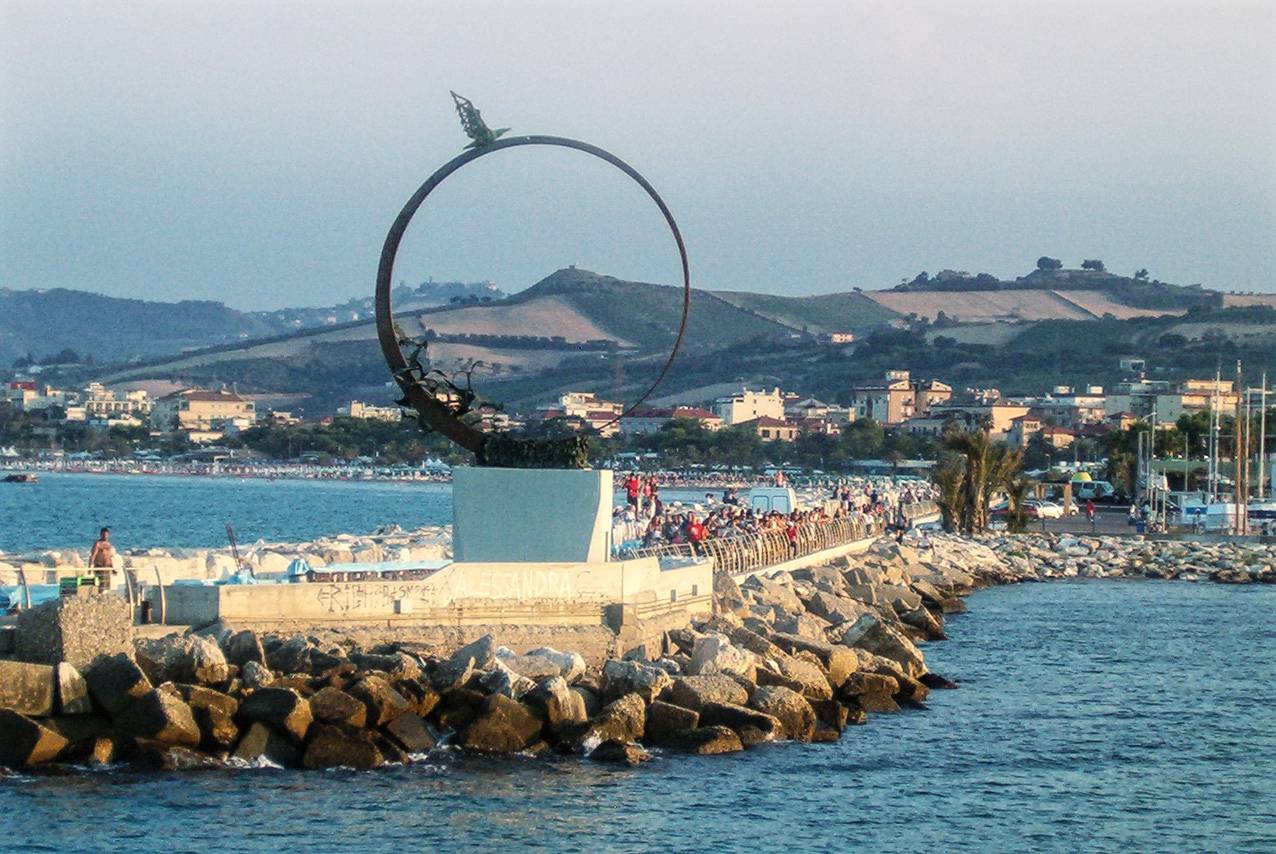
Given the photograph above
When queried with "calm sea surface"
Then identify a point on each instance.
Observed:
(145, 511)
(151, 511)
(1096, 716)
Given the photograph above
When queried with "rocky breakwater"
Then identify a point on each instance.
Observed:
(797, 656)
(390, 543)
(1045, 557)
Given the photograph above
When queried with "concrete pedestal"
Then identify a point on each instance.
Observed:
(531, 515)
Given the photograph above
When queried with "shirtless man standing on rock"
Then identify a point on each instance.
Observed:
(102, 558)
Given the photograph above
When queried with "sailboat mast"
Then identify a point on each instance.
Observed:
(1262, 442)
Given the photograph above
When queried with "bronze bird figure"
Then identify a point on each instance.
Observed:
(472, 122)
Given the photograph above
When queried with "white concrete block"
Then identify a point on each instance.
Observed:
(531, 515)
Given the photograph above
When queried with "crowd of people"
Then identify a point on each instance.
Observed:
(646, 520)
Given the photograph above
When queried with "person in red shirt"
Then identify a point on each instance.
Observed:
(631, 490)
(695, 532)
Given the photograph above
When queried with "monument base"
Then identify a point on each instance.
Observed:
(531, 515)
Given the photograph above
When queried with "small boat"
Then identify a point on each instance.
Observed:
(21, 477)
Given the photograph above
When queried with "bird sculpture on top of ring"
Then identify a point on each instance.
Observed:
(440, 411)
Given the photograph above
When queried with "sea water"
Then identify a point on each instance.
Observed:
(1092, 716)
(154, 511)
(169, 511)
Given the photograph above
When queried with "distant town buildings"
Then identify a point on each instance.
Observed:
(582, 410)
(369, 412)
(772, 429)
(29, 396)
(202, 415)
(102, 404)
(749, 405)
(651, 420)
(898, 398)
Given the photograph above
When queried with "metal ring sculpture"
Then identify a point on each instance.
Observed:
(434, 413)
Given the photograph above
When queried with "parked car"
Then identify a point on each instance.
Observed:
(1038, 509)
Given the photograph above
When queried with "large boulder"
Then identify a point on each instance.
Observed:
(925, 622)
(562, 707)
(739, 717)
(214, 714)
(803, 625)
(727, 596)
(693, 692)
(767, 591)
(900, 597)
(668, 724)
(795, 714)
(631, 677)
(873, 635)
(283, 709)
(411, 733)
(499, 679)
(173, 757)
(459, 707)
(504, 726)
(91, 738)
(331, 705)
(261, 745)
(182, 658)
(396, 665)
(811, 676)
(161, 717)
(27, 688)
(419, 693)
(383, 701)
(256, 676)
(243, 647)
(826, 578)
(623, 720)
(838, 660)
(837, 609)
(73, 691)
(75, 629)
(115, 681)
(712, 740)
(714, 653)
(620, 753)
(571, 666)
(534, 667)
(341, 747)
(291, 656)
(480, 652)
(24, 742)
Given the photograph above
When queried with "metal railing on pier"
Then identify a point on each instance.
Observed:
(748, 552)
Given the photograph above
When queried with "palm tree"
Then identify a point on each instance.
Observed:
(948, 477)
(1016, 494)
(980, 469)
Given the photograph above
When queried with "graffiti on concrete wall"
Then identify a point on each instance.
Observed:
(523, 585)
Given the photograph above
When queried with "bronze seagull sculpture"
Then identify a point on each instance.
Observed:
(472, 122)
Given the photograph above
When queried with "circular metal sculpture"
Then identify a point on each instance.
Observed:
(442, 407)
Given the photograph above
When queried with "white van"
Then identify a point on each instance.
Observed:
(767, 498)
(1092, 490)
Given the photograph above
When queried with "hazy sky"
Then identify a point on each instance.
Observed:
(257, 152)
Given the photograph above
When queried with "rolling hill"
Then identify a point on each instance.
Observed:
(584, 330)
(112, 329)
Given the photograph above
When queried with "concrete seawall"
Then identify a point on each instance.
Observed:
(456, 595)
